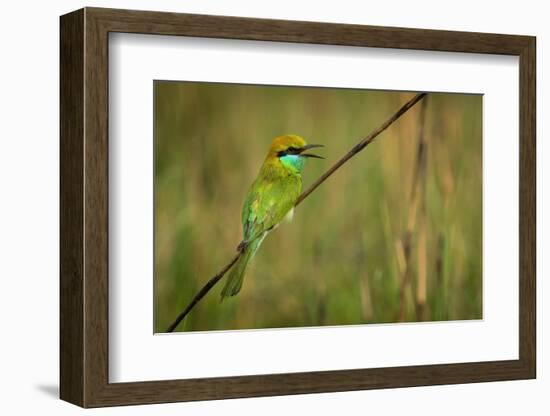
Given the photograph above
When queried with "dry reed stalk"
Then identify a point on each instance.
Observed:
(366, 300)
(421, 277)
(321, 305)
(404, 247)
(439, 279)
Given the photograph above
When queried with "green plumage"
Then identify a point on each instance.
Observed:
(269, 199)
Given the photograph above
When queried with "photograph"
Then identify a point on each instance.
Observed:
(393, 235)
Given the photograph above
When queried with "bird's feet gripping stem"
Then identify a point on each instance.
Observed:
(242, 246)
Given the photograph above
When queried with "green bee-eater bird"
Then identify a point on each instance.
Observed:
(270, 198)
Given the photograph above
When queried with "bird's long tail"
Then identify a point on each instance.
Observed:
(235, 279)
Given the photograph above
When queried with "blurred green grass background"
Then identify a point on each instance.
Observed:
(347, 257)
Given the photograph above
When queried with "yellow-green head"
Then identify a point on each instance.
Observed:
(290, 151)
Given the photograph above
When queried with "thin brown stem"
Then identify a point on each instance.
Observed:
(356, 149)
(416, 198)
(205, 289)
(421, 276)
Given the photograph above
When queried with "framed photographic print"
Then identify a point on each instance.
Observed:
(255, 207)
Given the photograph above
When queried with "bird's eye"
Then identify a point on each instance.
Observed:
(291, 150)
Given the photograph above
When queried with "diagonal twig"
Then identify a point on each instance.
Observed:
(354, 150)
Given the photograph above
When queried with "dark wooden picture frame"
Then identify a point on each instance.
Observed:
(84, 207)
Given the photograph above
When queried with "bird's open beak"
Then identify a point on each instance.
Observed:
(310, 146)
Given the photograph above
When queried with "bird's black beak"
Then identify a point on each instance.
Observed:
(310, 146)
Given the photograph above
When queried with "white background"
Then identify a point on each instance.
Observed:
(29, 211)
(135, 355)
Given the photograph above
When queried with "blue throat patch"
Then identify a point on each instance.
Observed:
(293, 162)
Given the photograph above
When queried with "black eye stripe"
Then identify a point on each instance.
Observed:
(289, 151)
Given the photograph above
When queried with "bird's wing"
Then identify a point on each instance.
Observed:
(266, 205)
(253, 216)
